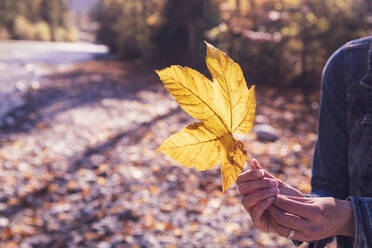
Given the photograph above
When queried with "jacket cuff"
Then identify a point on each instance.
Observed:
(318, 243)
(358, 213)
(297, 243)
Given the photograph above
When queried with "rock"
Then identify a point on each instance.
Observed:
(128, 215)
(265, 133)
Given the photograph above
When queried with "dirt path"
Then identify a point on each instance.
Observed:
(78, 167)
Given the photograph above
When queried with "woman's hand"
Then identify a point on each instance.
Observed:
(259, 189)
(312, 218)
(253, 175)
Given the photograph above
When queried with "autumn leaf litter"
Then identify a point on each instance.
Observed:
(79, 167)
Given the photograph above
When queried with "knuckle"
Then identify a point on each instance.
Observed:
(317, 213)
(268, 192)
(267, 183)
(314, 231)
(246, 202)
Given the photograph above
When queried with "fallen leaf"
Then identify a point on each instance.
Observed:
(224, 106)
(220, 239)
(101, 180)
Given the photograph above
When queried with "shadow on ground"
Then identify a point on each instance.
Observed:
(84, 84)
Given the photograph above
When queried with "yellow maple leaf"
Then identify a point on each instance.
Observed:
(224, 106)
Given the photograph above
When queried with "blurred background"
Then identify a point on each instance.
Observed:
(82, 112)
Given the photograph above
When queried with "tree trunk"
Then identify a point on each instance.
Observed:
(191, 36)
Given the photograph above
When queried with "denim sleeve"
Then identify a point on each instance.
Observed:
(330, 167)
(330, 175)
(362, 208)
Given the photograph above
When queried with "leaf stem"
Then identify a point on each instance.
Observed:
(249, 160)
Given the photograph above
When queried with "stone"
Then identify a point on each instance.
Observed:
(265, 133)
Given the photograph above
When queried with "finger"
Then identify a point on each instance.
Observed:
(256, 164)
(267, 174)
(251, 186)
(250, 175)
(257, 212)
(301, 209)
(288, 220)
(300, 198)
(253, 199)
(284, 232)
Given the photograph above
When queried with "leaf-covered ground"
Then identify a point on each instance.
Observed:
(78, 168)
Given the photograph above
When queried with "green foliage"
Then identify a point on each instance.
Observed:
(35, 20)
(65, 34)
(52, 13)
(126, 25)
(149, 28)
(290, 40)
(42, 32)
(71, 34)
(23, 29)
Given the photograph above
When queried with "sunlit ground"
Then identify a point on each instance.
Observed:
(79, 166)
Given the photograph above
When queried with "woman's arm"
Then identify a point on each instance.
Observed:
(330, 164)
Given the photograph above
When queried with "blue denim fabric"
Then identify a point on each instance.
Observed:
(342, 166)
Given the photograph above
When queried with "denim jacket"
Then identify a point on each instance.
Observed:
(342, 166)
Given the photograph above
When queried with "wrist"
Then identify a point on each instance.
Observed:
(346, 217)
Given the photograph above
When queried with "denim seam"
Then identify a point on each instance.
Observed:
(351, 79)
(356, 226)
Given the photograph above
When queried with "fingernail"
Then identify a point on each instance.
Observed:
(257, 173)
(252, 164)
(273, 183)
